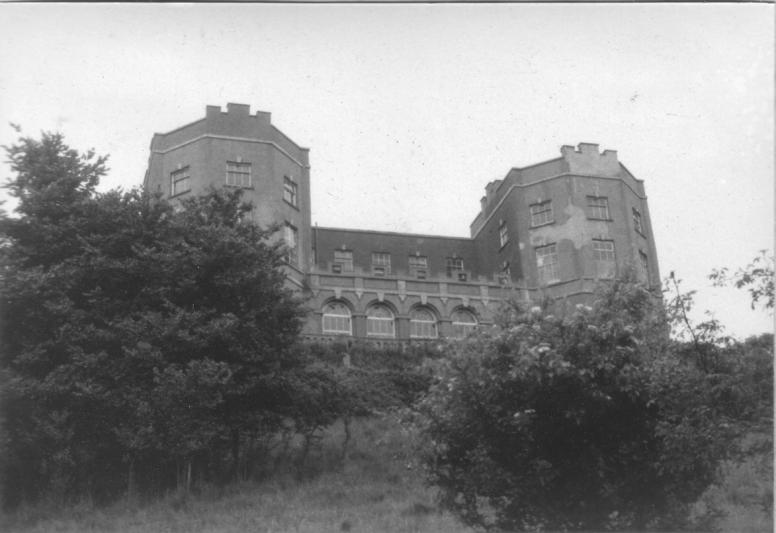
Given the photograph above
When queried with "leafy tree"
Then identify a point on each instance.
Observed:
(134, 335)
(585, 421)
(757, 277)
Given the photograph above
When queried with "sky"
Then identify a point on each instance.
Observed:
(409, 110)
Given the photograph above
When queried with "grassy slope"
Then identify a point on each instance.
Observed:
(378, 488)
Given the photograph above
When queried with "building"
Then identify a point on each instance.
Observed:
(550, 230)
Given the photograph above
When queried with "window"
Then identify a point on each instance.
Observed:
(343, 261)
(180, 181)
(418, 266)
(547, 264)
(238, 174)
(454, 266)
(598, 207)
(423, 324)
(637, 221)
(644, 266)
(541, 213)
(290, 234)
(290, 191)
(464, 323)
(603, 253)
(336, 319)
(381, 263)
(503, 234)
(379, 321)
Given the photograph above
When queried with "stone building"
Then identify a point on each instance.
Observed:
(554, 229)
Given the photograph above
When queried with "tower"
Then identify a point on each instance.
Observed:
(237, 149)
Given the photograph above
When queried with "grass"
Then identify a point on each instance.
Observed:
(378, 488)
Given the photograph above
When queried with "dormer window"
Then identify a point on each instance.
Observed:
(381, 264)
(454, 266)
(418, 266)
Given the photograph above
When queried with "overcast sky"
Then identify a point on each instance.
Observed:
(409, 110)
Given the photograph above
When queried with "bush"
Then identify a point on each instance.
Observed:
(586, 421)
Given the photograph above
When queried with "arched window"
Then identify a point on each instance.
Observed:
(464, 323)
(379, 321)
(423, 324)
(336, 319)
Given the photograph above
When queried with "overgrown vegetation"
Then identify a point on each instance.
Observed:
(150, 353)
(595, 419)
(377, 487)
(142, 346)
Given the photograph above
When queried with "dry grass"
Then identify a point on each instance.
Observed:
(377, 489)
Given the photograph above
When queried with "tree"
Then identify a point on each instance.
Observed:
(585, 421)
(135, 336)
(757, 277)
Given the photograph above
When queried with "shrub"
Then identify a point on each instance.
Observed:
(586, 421)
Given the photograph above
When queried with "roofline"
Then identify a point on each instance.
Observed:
(394, 233)
(548, 178)
(179, 128)
(275, 128)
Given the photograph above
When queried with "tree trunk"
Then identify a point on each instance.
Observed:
(131, 480)
(236, 454)
(188, 475)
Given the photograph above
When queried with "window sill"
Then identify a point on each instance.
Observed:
(543, 224)
(290, 204)
(601, 219)
(250, 187)
(176, 195)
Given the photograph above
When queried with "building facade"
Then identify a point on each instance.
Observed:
(550, 230)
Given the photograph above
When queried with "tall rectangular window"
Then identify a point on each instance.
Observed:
(603, 253)
(643, 266)
(343, 261)
(291, 236)
(454, 267)
(598, 207)
(503, 234)
(381, 263)
(290, 191)
(238, 174)
(418, 266)
(637, 221)
(541, 213)
(180, 181)
(547, 264)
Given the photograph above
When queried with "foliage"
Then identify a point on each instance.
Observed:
(586, 421)
(757, 278)
(138, 340)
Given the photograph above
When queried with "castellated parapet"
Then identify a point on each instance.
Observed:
(587, 160)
